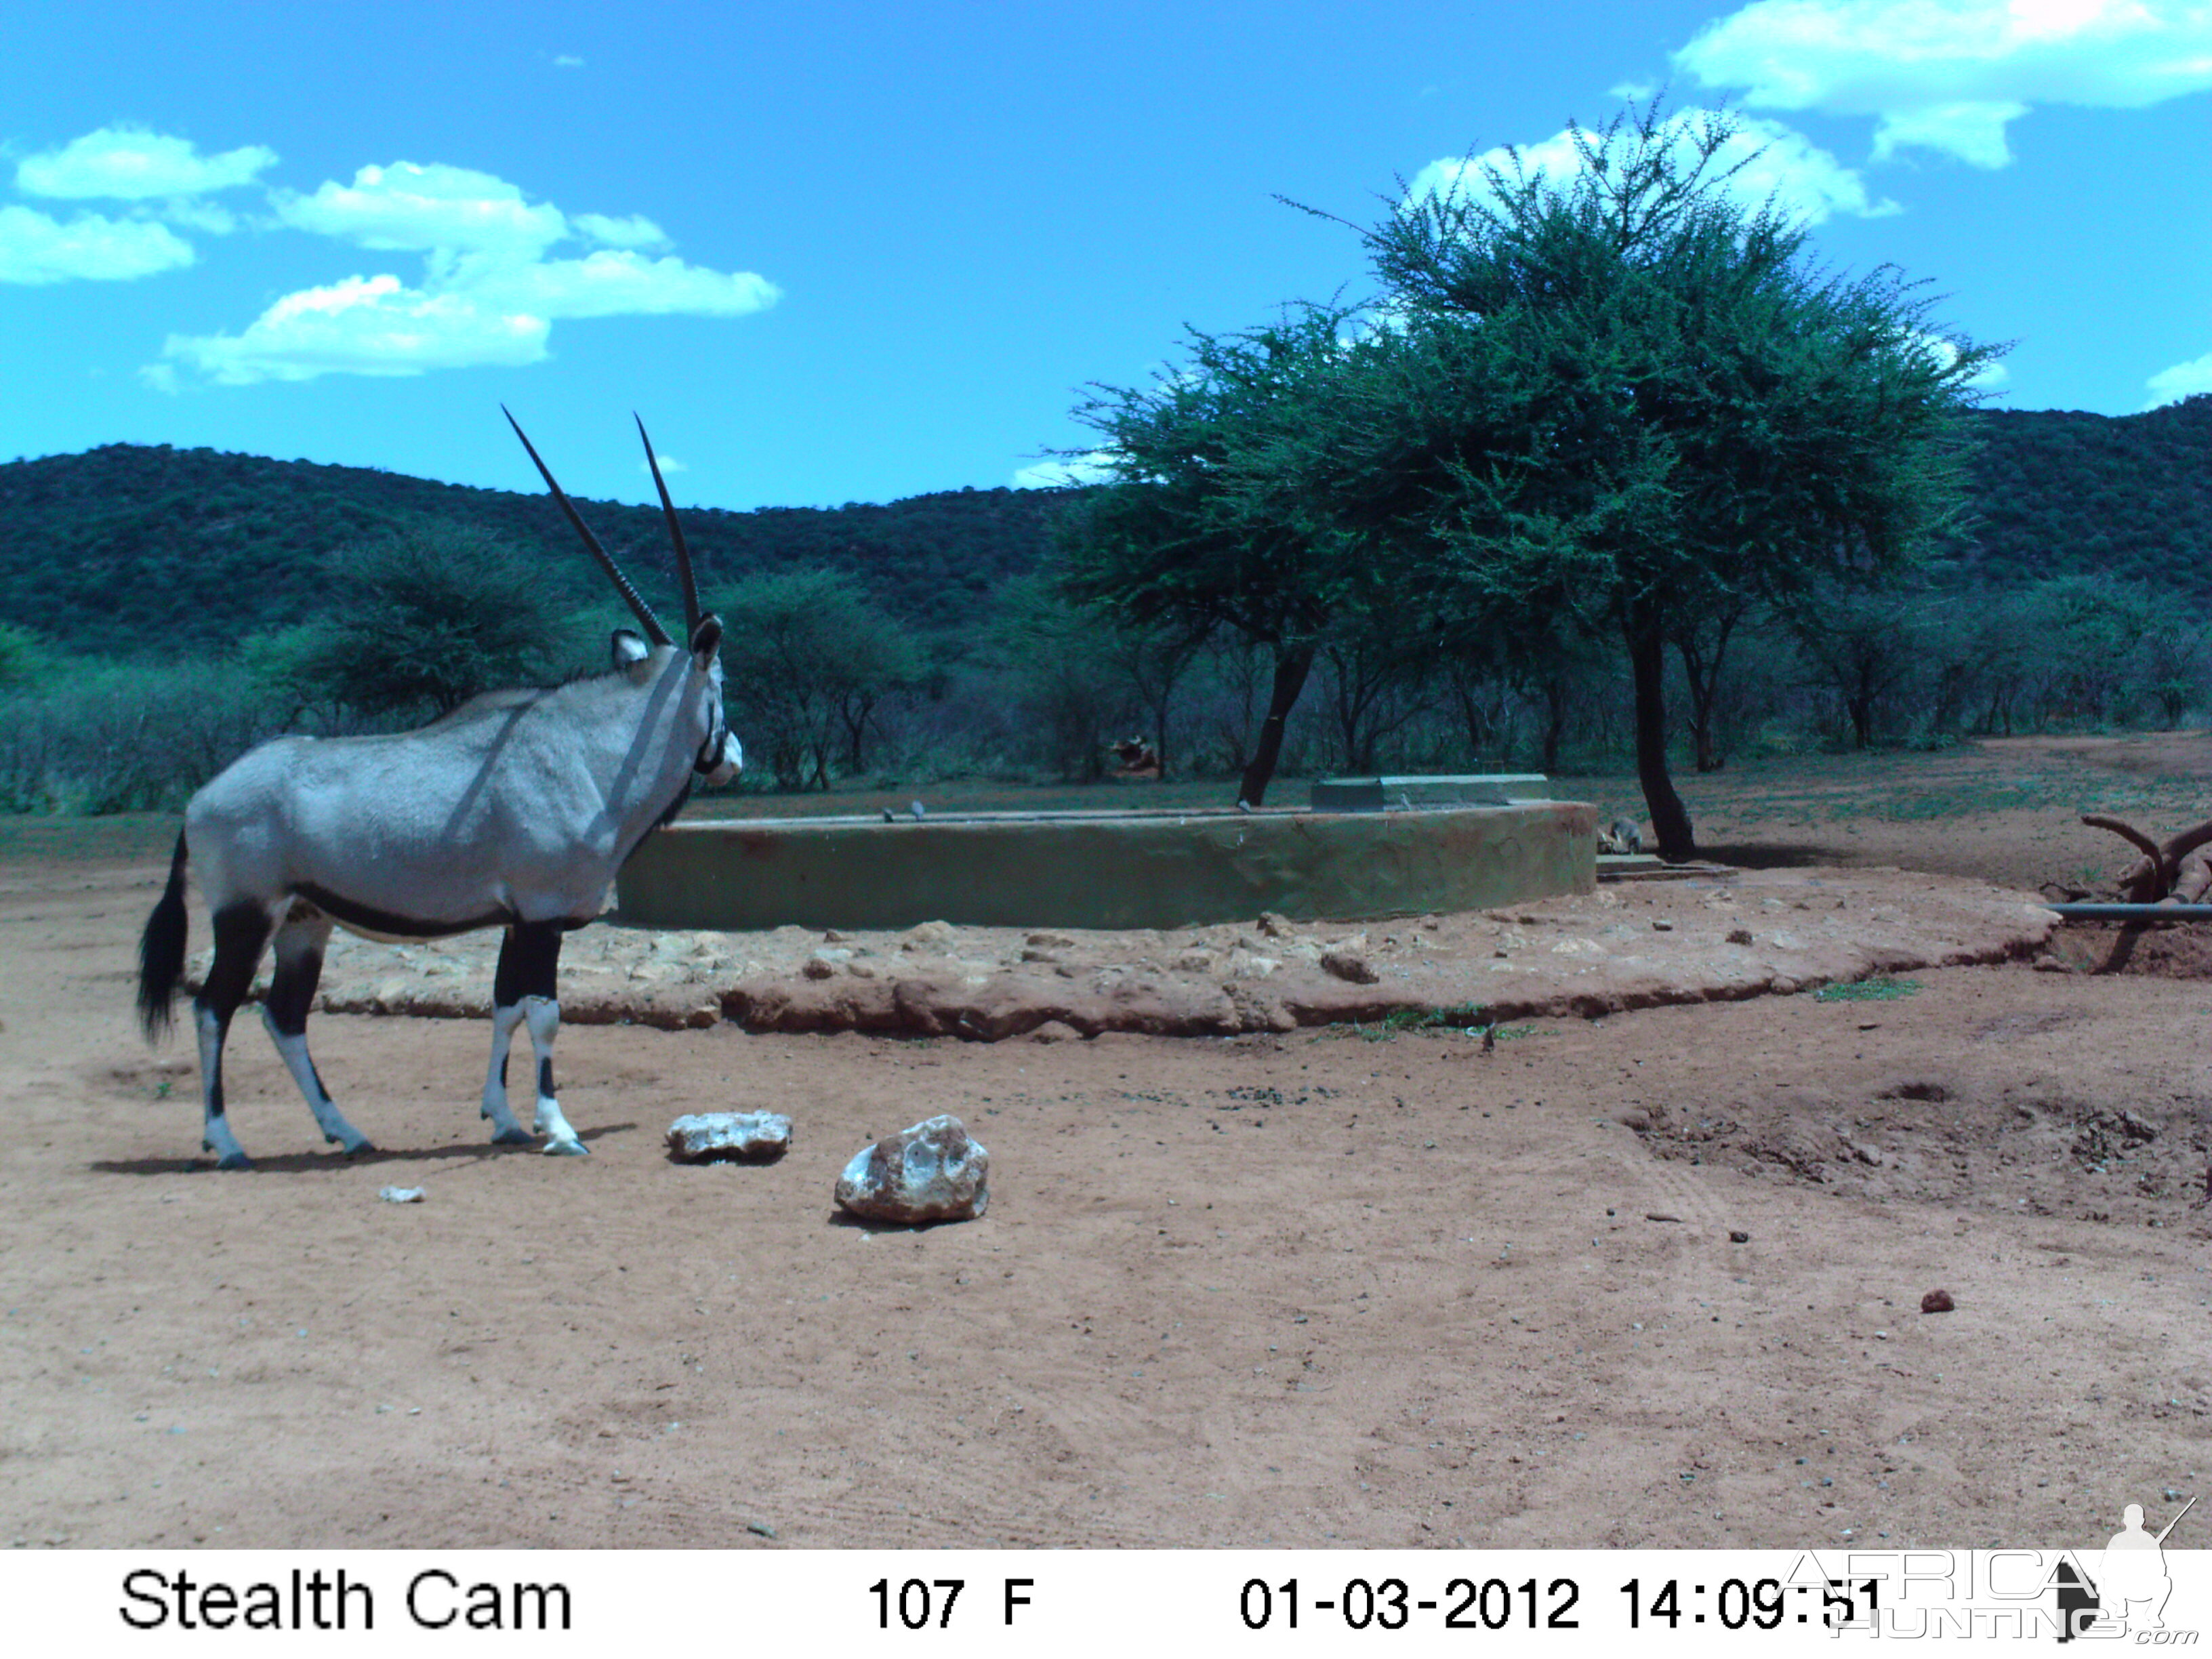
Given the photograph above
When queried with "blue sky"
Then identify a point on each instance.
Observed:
(841, 253)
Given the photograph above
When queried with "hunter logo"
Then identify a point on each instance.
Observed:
(2128, 1594)
(2119, 1594)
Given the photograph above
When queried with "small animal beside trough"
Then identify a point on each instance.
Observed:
(514, 811)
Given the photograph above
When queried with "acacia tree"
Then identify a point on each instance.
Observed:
(1638, 404)
(1206, 523)
(806, 659)
(428, 615)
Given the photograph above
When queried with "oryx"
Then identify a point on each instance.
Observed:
(514, 811)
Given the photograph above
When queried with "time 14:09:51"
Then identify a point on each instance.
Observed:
(1762, 1603)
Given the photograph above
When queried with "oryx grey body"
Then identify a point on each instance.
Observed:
(516, 810)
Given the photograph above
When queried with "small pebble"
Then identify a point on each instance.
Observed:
(1937, 1302)
(401, 1195)
(1737, 1236)
(761, 1528)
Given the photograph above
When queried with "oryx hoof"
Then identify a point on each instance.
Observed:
(514, 1135)
(360, 1146)
(567, 1149)
(233, 1160)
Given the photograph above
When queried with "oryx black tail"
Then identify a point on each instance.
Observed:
(162, 952)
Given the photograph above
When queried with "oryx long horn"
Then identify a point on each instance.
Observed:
(675, 534)
(653, 630)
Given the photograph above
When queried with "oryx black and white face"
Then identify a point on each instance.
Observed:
(719, 757)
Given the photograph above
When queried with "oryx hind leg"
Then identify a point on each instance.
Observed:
(301, 940)
(524, 992)
(241, 930)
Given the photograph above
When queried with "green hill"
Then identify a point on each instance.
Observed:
(153, 552)
(157, 552)
(2061, 493)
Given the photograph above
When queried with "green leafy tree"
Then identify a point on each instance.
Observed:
(1066, 668)
(807, 660)
(2084, 633)
(20, 655)
(1629, 398)
(426, 616)
(2173, 662)
(1863, 646)
(1208, 524)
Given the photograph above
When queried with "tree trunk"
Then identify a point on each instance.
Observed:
(1862, 712)
(1647, 656)
(855, 710)
(1703, 672)
(1292, 665)
(1555, 720)
(1478, 728)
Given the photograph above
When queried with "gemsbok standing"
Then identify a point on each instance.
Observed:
(514, 811)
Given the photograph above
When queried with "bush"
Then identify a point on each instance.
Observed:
(100, 738)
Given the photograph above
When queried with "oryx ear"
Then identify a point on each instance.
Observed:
(629, 649)
(706, 641)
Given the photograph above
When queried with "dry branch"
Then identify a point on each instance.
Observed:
(2167, 873)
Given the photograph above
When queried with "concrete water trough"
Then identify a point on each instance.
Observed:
(1128, 868)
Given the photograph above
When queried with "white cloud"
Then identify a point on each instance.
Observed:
(1095, 467)
(1808, 183)
(1949, 75)
(609, 283)
(363, 326)
(132, 164)
(1974, 133)
(668, 464)
(637, 231)
(1987, 378)
(2171, 385)
(568, 60)
(37, 248)
(212, 217)
(489, 290)
(418, 209)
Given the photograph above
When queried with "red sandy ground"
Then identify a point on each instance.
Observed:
(1317, 1286)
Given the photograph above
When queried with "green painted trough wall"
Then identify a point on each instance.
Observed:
(1130, 869)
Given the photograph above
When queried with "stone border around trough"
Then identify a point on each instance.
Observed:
(1644, 944)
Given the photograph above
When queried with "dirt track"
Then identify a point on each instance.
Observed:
(1291, 1286)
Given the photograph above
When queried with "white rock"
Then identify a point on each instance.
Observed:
(931, 1172)
(401, 1195)
(741, 1136)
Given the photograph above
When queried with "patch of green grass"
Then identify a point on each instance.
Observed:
(1467, 1018)
(1875, 988)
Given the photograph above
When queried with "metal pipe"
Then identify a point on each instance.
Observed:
(2132, 912)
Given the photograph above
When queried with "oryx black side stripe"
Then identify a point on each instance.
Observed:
(384, 921)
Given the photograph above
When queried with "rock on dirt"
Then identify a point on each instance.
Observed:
(930, 1172)
(729, 1137)
(1350, 965)
(1937, 1302)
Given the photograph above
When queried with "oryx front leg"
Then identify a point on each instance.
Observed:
(523, 991)
(300, 944)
